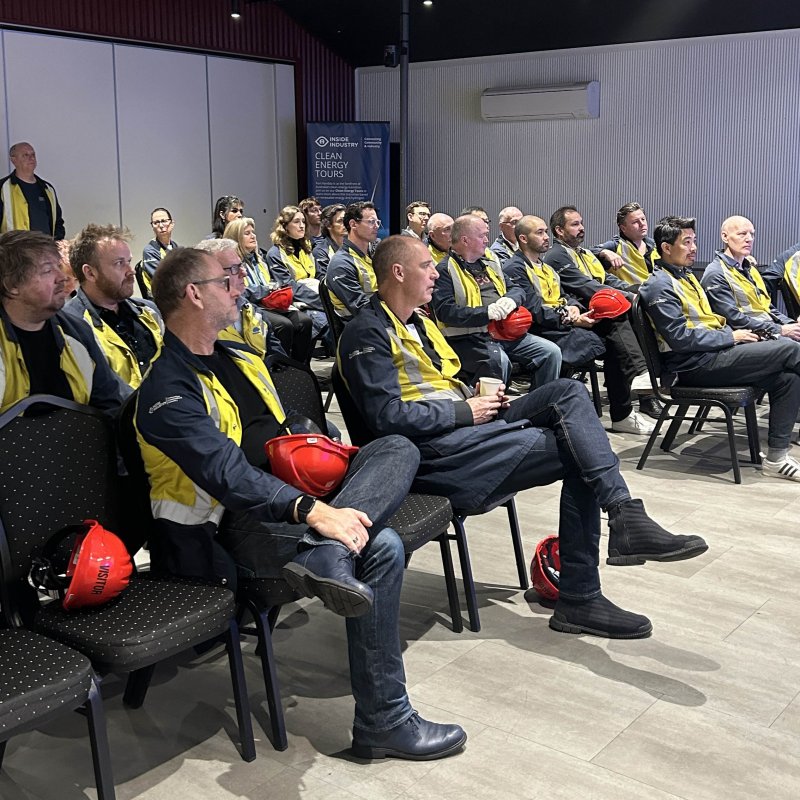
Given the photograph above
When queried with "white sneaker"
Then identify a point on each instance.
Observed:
(789, 469)
(636, 423)
(642, 383)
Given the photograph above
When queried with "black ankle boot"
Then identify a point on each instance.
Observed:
(635, 538)
(599, 617)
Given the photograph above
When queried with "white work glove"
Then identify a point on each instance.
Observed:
(501, 308)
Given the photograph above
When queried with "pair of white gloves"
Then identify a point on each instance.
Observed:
(501, 308)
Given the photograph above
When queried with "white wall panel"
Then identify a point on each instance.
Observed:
(286, 155)
(162, 112)
(705, 127)
(4, 145)
(60, 98)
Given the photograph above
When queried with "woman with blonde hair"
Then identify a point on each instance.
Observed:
(291, 326)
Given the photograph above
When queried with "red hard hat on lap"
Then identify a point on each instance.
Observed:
(279, 300)
(607, 303)
(546, 568)
(310, 462)
(513, 327)
(98, 570)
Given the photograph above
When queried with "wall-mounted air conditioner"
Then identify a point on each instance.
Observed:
(569, 101)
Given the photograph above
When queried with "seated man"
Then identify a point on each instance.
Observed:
(470, 292)
(401, 373)
(129, 330)
(735, 288)
(702, 350)
(505, 245)
(440, 227)
(204, 412)
(42, 349)
(631, 254)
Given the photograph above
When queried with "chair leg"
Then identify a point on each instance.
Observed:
(674, 426)
(98, 738)
(737, 473)
(272, 617)
(276, 719)
(516, 539)
(598, 405)
(654, 436)
(137, 685)
(751, 421)
(450, 583)
(328, 400)
(699, 420)
(240, 698)
(2, 752)
(466, 575)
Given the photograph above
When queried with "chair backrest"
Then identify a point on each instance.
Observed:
(789, 300)
(298, 388)
(360, 434)
(646, 336)
(58, 466)
(334, 320)
(140, 281)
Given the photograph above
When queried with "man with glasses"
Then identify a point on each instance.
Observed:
(129, 330)
(505, 245)
(350, 278)
(162, 224)
(203, 414)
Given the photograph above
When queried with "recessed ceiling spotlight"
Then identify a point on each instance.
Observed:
(235, 13)
(427, 2)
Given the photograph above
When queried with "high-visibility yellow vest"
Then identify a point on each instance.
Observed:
(546, 281)
(253, 333)
(300, 265)
(751, 296)
(637, 266)
(467, 293)
(15, 208)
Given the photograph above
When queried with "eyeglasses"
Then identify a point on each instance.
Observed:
(234, 269)
(373, 223)
(226, 282)
(156, 223)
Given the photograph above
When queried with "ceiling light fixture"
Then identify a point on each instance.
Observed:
(235, 13)
(427, 2)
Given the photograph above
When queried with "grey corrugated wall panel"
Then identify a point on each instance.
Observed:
(703, 127)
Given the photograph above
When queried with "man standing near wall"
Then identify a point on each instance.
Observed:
(28, 203)
(417, 215)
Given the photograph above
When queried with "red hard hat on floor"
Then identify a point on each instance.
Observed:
(99, 566)
(513, 327)
(546, 568)
(310, 462)
(607, 303)
(279, 300)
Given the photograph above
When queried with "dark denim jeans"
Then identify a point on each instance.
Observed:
(376, 483)
(574, 449)
(538, 357)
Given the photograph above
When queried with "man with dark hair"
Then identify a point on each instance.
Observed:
(401, 373)
(417, 215)
(129, 330)
(700, 349)
(471, 292)
(440, 227)
(203, 414)
(163, 225)
(27, 202)
(581, 275)
(630, 254)
(350, 278)
(42, 349)
(505, 245)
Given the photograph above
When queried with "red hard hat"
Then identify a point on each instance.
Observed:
(607, 303)
(310, 462)
(278, 300)
(546, 568)
(99, 566)
(513, 327)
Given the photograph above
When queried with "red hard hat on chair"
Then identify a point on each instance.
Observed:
(607, 303)
(513, 327)
(310, 462)
(99, 566)
(546, 568)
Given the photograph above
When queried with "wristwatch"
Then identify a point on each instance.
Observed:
(304, 506)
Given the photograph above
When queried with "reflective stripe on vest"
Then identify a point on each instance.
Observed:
(436, 254)
(467, 293)
(587, 263)
(300, 265)
(695, 306)
(366, 279)
(256, 274)
(791, 274)
(253, 331)
(546, 281)
(16, 216)
(751, 296)
(636, 268)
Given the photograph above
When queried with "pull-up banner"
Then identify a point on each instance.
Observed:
(348, 162)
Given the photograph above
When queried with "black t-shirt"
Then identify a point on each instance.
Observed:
(125, 321)
(38, 207)
(258, 424)
(479, 271)
(43, 362)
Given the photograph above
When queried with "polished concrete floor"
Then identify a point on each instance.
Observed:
(705, 709)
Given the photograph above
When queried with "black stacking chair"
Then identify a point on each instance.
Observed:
(334, 320)
(360, 434)
(789, 300)
(138, 271)
(58, 466)
(725, 398)
(43, 679)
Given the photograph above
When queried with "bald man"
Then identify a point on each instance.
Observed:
(440, 226)
(736, 289)
(505, 245)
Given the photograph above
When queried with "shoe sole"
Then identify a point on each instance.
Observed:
(368, 752)
(562, 626)
(335, 595)
(615, 559)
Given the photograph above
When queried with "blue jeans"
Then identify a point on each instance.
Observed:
(538, 358)
(574, 449)
(377, 482)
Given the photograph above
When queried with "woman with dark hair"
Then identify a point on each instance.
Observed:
(227, 208)
(333, 233)
(289, 261)
(292, 327)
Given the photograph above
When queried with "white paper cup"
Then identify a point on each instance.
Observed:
(489, 386)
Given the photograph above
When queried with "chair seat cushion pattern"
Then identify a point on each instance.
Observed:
(38, 677)
(420, 518)
(729, 395)
(153, 619)
(267, 592)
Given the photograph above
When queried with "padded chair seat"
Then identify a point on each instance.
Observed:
(151, 620)
(729, 395)
(267, 592)
(420, 518)
(38, 676)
